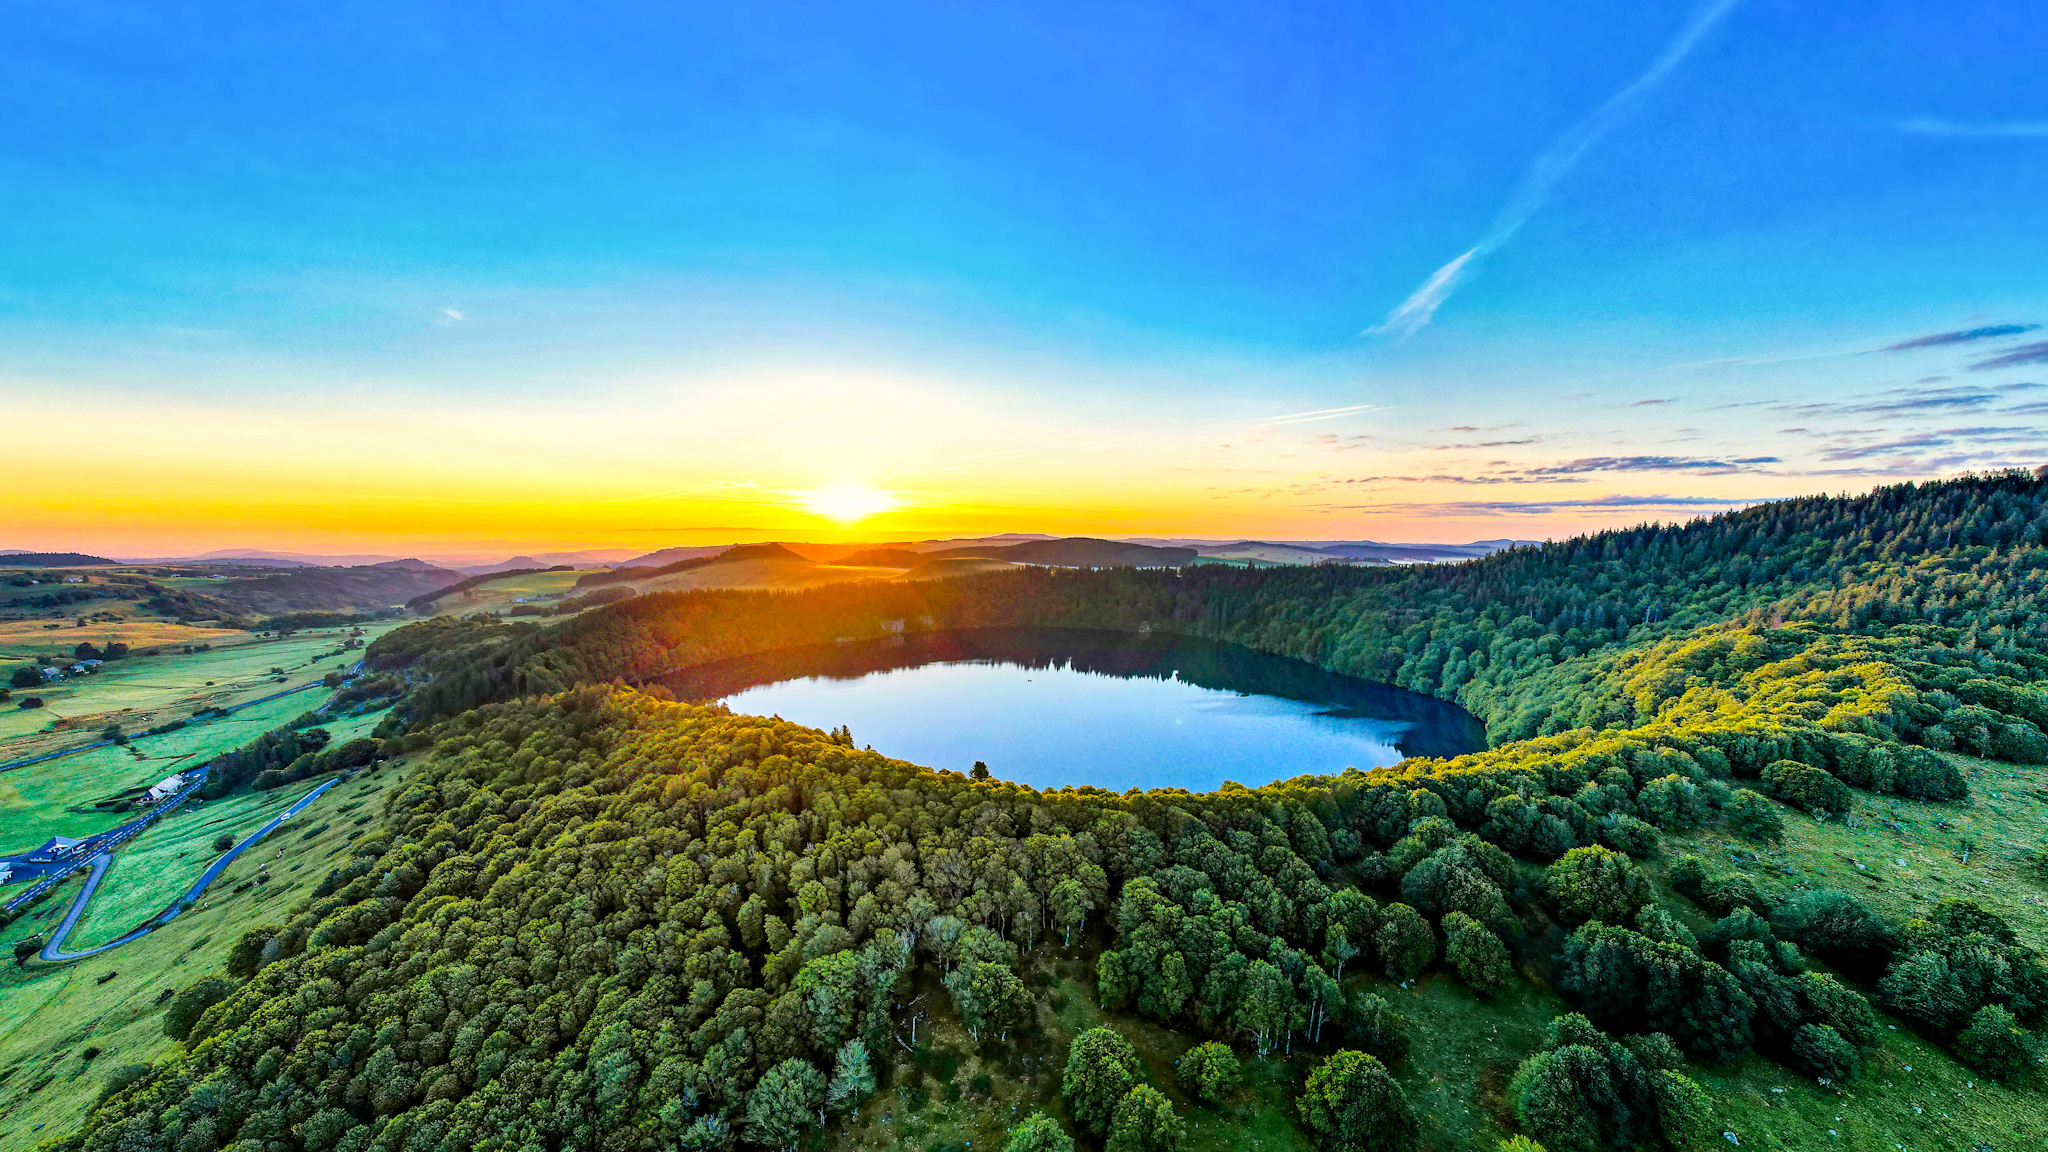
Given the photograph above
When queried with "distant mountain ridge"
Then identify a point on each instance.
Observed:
(14, 559)
(1312, 551)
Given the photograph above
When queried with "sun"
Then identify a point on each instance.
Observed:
(847, 503)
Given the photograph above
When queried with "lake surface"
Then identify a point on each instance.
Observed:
(1051, 707)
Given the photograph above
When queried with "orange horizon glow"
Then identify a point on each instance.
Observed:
(764, 454)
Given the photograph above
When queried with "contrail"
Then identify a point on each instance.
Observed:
(1547, 169)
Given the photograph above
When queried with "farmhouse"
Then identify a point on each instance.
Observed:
(57, 848)
(166, 787)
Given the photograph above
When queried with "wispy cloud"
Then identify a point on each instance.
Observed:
(1546, 507)
(1648, 464)
(1898, 402)
(1962, 336)
(1548, 168)
(1977, 439)
(2035, 353)
(450, 316)
(1485, 444)
(1995, 129)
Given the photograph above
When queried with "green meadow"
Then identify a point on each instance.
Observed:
(156, 867)
(55, 797)
(65, 1028)
(141, 692)
(500, 595)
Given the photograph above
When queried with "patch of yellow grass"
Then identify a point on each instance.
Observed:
(761, 574)
(27, 639)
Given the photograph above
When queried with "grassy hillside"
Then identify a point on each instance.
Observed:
(51, 1016)
(774, 574)
(144, 691)
(504, 593)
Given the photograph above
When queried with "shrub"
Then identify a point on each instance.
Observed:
(1477, 954)
(1729, 891)
(1831, 924)
(1632, 983)
(1995, 1044)
(1585, 1093)
(1373, 1025)
(1145, 1121)
(1807, 787)
(1658, 924)
(119, 1079)
(1210, 1071)
(1404, 940)
(256, 947)
(1102, 1068)
(1354, 1105)
(1753, 816)
(1831, 1002)
(1673, 803)
(1598, 884)
(1688, 875)
(191, 1004)
(1822, 1051)
(785, 1103)
(1625, 833)
(1039, 1133)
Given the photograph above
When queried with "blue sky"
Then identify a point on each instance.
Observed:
(1115, 239)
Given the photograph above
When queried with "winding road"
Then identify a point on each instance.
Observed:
(54, 950)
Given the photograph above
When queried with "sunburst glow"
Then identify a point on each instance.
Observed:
(847, 503)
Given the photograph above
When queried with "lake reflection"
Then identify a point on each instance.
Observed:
(1051, 707)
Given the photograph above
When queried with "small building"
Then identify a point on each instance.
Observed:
(52, 674)
(166, 787)
(57, 848)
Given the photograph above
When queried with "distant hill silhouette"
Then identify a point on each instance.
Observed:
(51, 560)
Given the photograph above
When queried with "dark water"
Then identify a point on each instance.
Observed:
(1051, 707)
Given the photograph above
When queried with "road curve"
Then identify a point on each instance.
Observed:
(53, 950)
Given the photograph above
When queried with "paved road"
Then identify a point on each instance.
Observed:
(13, 764)
(107, 841)
(53, 951)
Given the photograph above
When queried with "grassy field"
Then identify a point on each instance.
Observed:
(36, 802)
(152, 870)
(27, 639)
(501, 595)
(143, 691)
(957, 566)
(52, 1016)
(761, 574)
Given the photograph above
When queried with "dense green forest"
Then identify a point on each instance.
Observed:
(596, 918)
